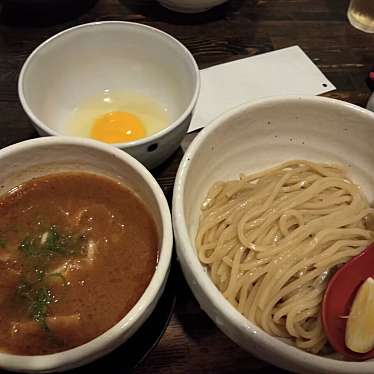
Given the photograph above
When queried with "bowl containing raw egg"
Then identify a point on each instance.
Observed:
(122, 83)
(85, 249)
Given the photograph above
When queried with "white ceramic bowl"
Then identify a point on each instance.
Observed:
(190, 6)
(37, 157)
(252, 137)
(83, 61)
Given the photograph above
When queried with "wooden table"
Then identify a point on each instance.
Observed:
(240, 28)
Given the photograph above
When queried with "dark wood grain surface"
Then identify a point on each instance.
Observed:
(239, 28)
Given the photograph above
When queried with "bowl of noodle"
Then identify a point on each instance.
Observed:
(269, 201)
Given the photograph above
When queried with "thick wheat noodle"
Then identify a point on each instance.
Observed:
(271, 240)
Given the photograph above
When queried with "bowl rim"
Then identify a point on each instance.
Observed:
(191, 6)
(186, 251)
(111, 338)
(97, 25)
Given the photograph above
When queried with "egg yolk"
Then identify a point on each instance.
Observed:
(117, 127)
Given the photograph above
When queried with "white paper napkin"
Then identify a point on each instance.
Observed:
(288, 71)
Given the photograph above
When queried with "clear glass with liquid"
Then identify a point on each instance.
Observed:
(361, 15)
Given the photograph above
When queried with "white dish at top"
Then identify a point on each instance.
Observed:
(249, 138)
(190, 6)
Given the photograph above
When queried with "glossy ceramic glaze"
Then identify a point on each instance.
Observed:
(85, 60)
(37, 157)
(253, 137)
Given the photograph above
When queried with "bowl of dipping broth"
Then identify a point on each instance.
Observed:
(269, 201)
(86, 243)
(190, 6)
(122, 83)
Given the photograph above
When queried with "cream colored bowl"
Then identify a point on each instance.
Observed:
(82, 62)
(190, 6)
(252, 137)
(38, 157)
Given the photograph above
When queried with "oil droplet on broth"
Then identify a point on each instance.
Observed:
(117, 117)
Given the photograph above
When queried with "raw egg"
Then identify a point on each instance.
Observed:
(117, 117)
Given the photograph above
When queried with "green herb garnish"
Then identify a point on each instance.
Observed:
(51, 243)
(37, 298)
(39, 306)
(39, 250)
(28, 247)
(2, 243)
(55, 242)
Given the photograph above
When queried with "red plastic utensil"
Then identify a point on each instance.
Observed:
(339, 297)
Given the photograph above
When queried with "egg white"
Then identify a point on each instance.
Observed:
(153, 116)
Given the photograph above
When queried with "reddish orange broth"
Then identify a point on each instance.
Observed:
(100, 284)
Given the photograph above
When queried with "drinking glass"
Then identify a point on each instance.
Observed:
(361, 14)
